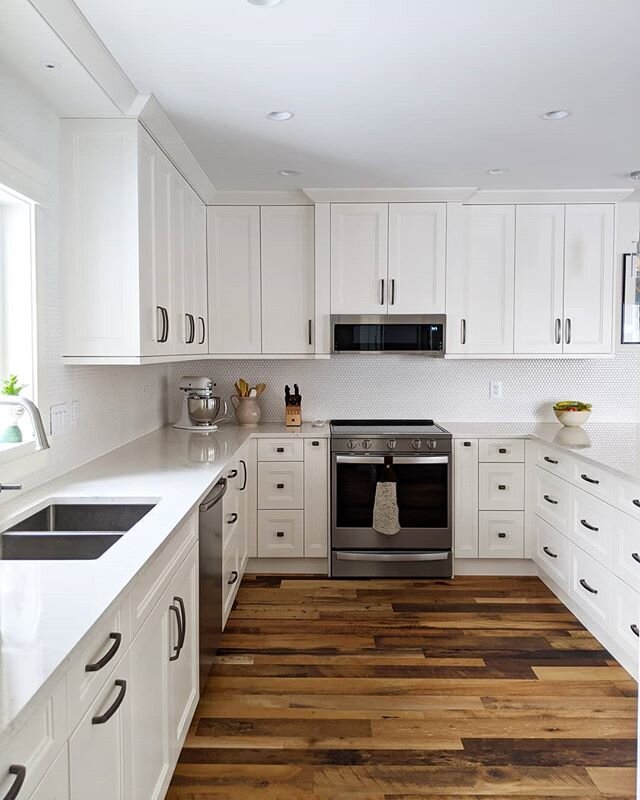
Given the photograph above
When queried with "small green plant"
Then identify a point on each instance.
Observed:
(11, 386)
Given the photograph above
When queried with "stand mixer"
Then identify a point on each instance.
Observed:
(201, 409)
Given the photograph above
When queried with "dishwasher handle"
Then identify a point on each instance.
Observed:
(216, 494)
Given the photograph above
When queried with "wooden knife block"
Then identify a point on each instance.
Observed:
(293, 416)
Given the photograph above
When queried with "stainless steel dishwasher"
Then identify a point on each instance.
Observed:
(210, 547)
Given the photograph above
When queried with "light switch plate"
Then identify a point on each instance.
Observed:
(59, 419)
(495, 390)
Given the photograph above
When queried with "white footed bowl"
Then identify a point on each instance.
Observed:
(572, 419)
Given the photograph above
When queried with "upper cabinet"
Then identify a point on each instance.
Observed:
(288, 291)
(233, 238)
(480, 279)
(530, 279)
(261, 280)
(388, 258)
(588, 279)
(133, 242)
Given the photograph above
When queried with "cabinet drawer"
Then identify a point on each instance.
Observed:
(230, 582)
(501, 534)
(55, 784)
(553, 553)
(34, 746)
(592, 526)
(626, 548)
(280, 449)
(499, 450)
(96, 659)
(628, 498)
(554, 461)
(155, 577)
(626, 620)
(501, 487)
(281, 485)
(592, 587)
(280, 534)
(552, 497)
(594, 480)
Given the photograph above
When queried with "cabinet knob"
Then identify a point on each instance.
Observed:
(502, 450)
(315, 444)
(502, 535)
(466, 444)
(279, 449)
(502, 487)
(279, 485)
(280, 534)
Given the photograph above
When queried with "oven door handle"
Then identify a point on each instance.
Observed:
(436, 555)
(396, 459)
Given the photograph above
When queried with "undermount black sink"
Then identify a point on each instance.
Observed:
(70, 531)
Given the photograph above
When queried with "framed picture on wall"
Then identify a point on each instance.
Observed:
(631, 299)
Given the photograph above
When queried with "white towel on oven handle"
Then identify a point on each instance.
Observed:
(386, 516)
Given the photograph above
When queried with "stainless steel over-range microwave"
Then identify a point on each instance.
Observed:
(398, 333)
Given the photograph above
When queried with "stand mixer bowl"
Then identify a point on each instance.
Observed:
(205, 411)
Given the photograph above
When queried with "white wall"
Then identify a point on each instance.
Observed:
(407, 386)
(112, 410)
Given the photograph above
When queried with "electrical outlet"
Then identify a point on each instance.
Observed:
(146, 395)
(59, 419)
(495, 390)
(75, 415)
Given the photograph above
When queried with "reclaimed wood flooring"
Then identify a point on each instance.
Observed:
(475, 688)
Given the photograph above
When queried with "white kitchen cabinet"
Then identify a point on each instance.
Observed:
(55, 784)
(288, 279)
(233, 243)
(248, 498)
(193, 287)
(126, 245)
(281, 533)
(183, 670)
(539, 276)
(359, 236)
(501, 534)
(102, 748)
(417, 254)
(280, 485)
(501, 487)
(149, 703)
(465, 497)
(589, 278)
(480, 279)
(316, 497)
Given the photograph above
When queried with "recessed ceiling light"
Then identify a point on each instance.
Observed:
(559, 113)
(264, 2)
(635, 174)
(48, 64)
(280, 116)
(287, 172)
(497, 171)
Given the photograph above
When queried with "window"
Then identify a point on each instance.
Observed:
(17, 317)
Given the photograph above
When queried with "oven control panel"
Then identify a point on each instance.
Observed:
(399, 444)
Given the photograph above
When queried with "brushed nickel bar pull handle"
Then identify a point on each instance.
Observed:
(463, 331)
(558, 331)
(310, 332)
(382, 291)
(567, 330)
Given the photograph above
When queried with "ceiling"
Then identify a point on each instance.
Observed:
(391, 92)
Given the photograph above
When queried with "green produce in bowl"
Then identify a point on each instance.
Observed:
(572, 405)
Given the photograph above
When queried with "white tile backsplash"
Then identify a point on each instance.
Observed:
(415, 386)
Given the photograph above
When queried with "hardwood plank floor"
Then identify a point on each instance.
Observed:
(398, 690)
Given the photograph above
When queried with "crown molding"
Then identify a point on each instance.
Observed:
(489, 196)
(438, 194)
(259, 198)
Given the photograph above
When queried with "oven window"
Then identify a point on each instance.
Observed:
(423, 498)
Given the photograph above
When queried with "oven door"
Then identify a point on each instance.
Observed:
(423, 490)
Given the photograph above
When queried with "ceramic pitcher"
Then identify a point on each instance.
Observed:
(248, 411)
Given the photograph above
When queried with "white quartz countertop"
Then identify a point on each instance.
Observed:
(614, 446)
(47, 607)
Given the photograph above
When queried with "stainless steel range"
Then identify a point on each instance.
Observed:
(418, 454)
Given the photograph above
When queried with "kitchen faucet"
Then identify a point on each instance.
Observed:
(39, 434)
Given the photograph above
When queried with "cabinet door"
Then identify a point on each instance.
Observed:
(194, 275)
(55, 784)
(233, 238)
(184, 651)
(539, 279)
(101, 749)
(359, 235)
(417, 252)
(465, 488)
(288, 275)
(161, 279)
(480, 277)
(316, 497)
(588, 278)
(180, 327)
(248, 488)
(149, 655)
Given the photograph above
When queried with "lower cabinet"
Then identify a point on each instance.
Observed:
(101, 748)
(55, 784)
